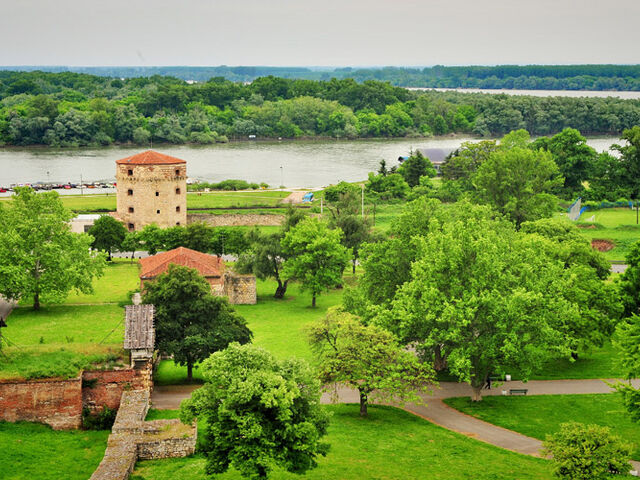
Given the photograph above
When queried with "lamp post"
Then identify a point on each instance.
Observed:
(281, 177)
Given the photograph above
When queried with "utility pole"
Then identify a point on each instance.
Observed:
(81, 186)
(362, 201)
(281, 177)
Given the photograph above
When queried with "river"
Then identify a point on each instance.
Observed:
(625, 95)
(289, 163)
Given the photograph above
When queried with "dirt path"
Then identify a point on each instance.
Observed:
(436, 411)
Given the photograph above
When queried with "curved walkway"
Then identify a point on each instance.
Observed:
(436, 411)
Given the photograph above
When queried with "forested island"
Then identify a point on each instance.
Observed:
(527, 77)
(73, 109)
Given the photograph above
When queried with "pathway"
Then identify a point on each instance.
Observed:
(436, 411)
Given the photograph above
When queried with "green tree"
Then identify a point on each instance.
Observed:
(587, 452)
(368, 358)
(416, 166)
(630, 160)
(462, 164)
(41, 258)
(259, 412)
(629, 282)
(132, 243)
(152, 237)
(190, 322)
(108, 234)
(472, 299)
(316, 256)
(519, 183)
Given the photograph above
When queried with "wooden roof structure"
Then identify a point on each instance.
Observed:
(139, 331)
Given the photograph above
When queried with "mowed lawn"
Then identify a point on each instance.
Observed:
(34, 451)
(277, 325)
(617, 225)
(540, 415)
(389, 444)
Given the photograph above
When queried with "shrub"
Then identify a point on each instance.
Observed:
(102, 420)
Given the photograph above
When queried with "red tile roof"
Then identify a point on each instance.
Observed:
(150, 157)
(207, 265)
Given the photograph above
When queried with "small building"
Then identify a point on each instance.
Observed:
(437, 156)
(83, 223)
(239, 289)
(139, 334)
(151, 188)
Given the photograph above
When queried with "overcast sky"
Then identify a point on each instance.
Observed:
(325, 32)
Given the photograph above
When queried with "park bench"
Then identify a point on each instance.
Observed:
(518, 391)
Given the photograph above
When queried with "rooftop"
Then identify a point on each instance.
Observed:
(139, 333)
(206, 265)
(150, 157)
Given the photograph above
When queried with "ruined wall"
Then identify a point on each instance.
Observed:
(56, 402)
(235, 220)
(167, 439)
(156, 193)
(240, 289)
(105, 387)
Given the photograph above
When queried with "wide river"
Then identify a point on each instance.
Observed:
(290, 163)
(541, 93)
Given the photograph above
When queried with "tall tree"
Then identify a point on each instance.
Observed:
(472, 297)
(416, 166)
(316, 256)
(368, 358)
(259, 413)
(108, 234)
(191, 323)
(629, 282)
(41, 257)
(519, 183)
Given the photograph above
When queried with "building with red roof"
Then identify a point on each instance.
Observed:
(151, 188)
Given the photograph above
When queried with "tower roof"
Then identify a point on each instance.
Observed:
(150, 157)
(207, 265)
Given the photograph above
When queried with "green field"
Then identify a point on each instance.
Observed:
(30, 450)
(617, 225)
(539, 415)
(277, 325)
(390, 444)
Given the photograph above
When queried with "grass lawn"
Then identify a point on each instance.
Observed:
(390, 444)
(617, 225)
(119, 278)
(61, 340)
(539, 415)
(277, 325)
(598, 363)
(34, 451)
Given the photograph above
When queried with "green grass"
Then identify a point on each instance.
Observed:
(540, 415)
(61, 340)
(120, 277)
(34, 451)
(277, 325)
(598, 363)
(618, 225)
(390, 444)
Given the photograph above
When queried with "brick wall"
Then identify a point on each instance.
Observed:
(55, 402)
(105, 387)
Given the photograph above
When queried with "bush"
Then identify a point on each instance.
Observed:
(103, 420)
(587, 452)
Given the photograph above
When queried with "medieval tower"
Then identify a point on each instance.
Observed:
(151, 188)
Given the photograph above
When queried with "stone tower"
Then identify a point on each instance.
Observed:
(151, 188)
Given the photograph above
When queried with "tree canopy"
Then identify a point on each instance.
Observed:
(108, 234)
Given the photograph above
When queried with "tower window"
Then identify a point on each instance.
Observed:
(131, 226)
(157, 211)
(130, 209)
(157, 194)
(177, 172)
(130, 172)
(177, 209)
(177, 191)
(177, 223)
(129, 192)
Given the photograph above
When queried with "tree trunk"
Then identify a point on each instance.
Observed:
(109, 255)
(189, 372)
(439, 361)
(354, 266)
(132, 255)
(313, 301)
(476, 395)
(574, 355)
(36, 301)
(281, 289)
(363, 404)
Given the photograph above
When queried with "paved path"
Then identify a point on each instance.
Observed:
(436, 411)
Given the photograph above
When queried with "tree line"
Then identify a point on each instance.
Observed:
(70, 109)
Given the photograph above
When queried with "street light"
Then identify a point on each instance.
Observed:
(281, 177)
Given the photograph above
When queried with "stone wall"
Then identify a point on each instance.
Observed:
(56, 402)
(167, 439)
(101, 388)
(240, 289)
(236, 220)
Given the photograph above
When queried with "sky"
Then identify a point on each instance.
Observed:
(318, 33)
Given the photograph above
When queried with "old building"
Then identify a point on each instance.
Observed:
(151, 188)
(239, 289)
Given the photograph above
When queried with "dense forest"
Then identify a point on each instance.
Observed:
(529, 77)
(72, 109)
